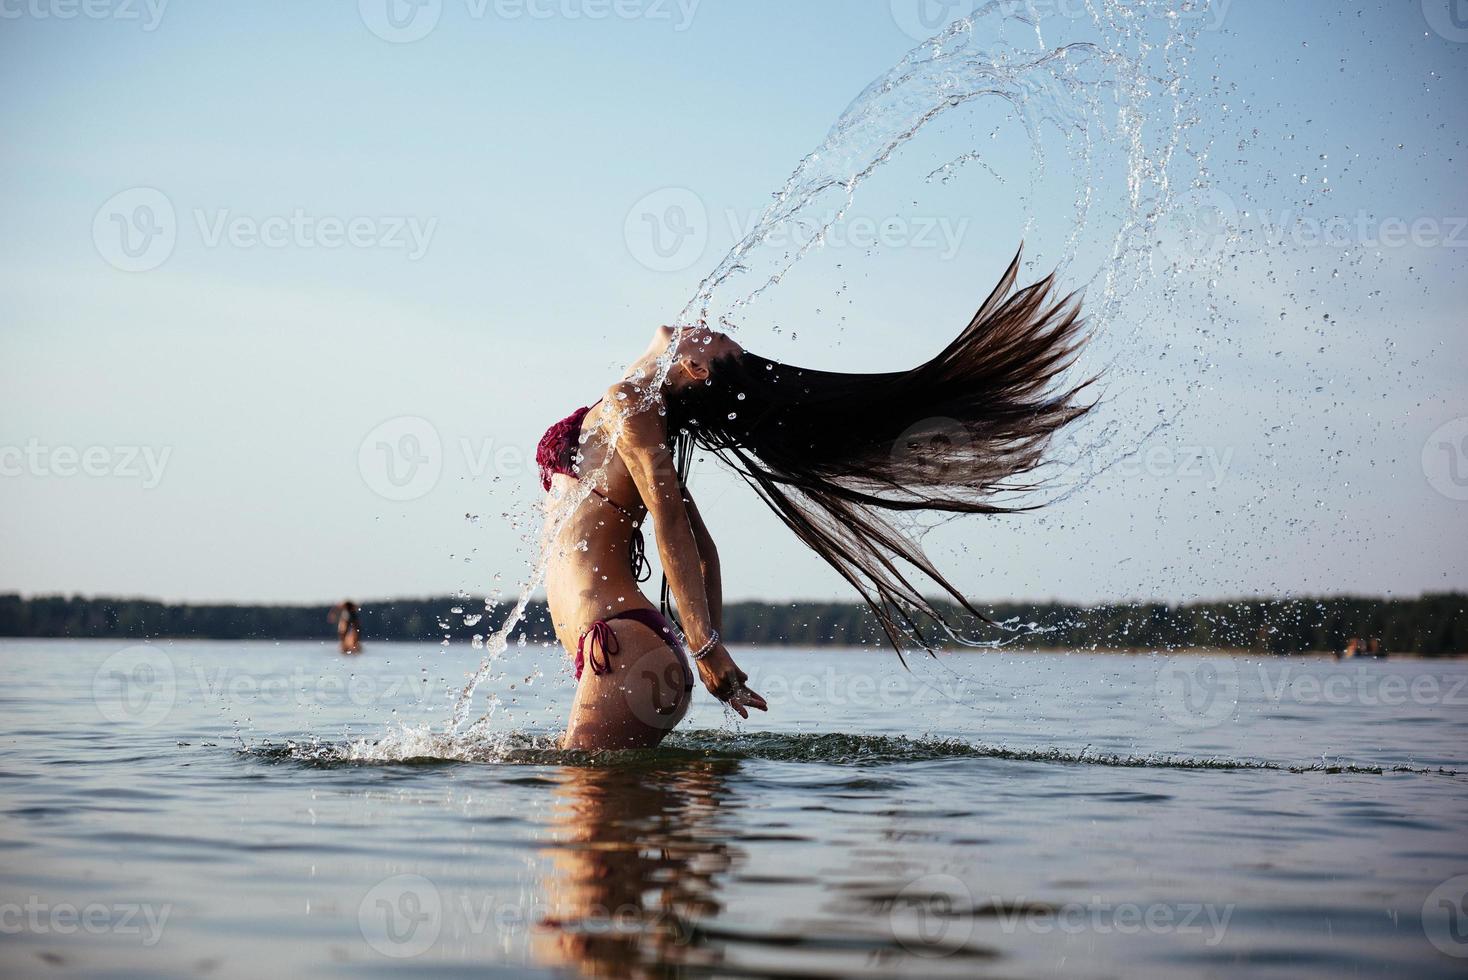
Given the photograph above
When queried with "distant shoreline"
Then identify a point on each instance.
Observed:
(1432, 625)
(329, 645)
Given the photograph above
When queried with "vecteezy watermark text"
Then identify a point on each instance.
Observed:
(1207, 463)
(1288, 684)
(935, 916)
(303, 688)
(406, 21)
(922, 19)
(42, 918)
(1290, 227)
(669, 230)
(147, 13)
(1202, 222)
(404, 915)
(35, 458)
(858, 689)
(138, 229)
(1200, 692)
(298, 229)
(138, 686)
(1102, 918)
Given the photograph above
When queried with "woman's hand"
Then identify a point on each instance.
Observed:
(725, 681)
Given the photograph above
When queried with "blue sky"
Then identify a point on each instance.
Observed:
(457, 244)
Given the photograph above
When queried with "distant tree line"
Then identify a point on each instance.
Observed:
(1431, 625)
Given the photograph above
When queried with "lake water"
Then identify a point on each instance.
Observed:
(192, 808)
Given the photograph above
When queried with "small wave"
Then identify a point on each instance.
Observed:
(422, 747)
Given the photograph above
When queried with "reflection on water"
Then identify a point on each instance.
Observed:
(635, 859)
(637, 854)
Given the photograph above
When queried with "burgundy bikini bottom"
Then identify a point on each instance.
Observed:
(600, 638)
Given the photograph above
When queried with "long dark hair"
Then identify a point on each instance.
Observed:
(829, 452)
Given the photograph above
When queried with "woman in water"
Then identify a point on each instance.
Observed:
(828, 453)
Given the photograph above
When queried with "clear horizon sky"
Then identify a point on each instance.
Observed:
(289, 292)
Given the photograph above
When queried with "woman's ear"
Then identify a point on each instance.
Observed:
(696, 368)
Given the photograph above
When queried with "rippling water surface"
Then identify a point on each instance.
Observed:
(243, 809)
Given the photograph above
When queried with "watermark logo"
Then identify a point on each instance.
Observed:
(934, 451)
(1445, 459)
(1447, 18)
(655, 689)
(400, 21)
(401, 459)
(135, 686)
(1198, 224)
(922, 19)
(1445, 916)
(667, 230)
(1197, 692)
(401, 916)
(136, 229)
(148, 13)
(405, 458)
(933, 916)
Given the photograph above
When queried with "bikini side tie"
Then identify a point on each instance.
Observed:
(597, 635)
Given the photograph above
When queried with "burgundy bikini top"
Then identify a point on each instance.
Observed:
(557, 454)
(558, 447)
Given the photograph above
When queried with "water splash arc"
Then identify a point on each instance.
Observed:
(1086, 90)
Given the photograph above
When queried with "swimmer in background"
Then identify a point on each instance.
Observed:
(345, 615)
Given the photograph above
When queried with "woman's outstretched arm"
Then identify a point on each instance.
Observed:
(644, 449)
(708, 555)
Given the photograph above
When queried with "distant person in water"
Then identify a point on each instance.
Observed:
(348, 626)
(828, 453)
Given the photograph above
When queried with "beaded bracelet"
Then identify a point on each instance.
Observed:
(708, 647)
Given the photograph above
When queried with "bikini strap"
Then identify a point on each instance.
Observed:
(619, 508)
(641, 567)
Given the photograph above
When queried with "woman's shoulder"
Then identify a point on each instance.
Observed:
(641, 411)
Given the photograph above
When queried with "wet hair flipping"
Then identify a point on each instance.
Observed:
(829, 453)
